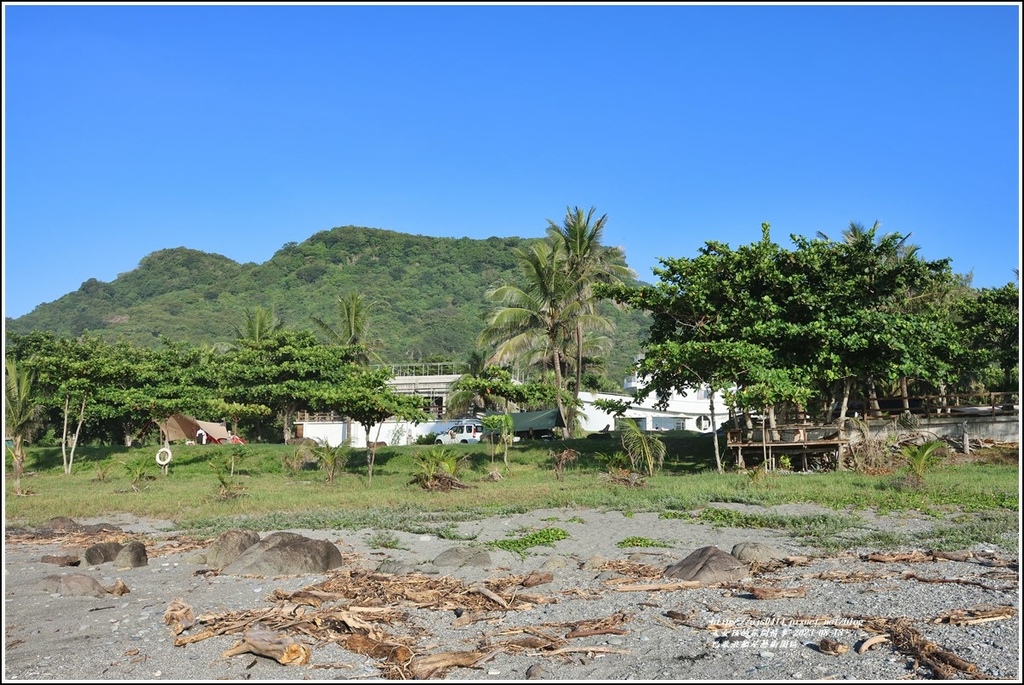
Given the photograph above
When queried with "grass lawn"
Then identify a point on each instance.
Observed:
(211, 488)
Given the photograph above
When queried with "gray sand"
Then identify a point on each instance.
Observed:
(117, 638)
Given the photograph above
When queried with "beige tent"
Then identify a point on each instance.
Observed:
(181, 427)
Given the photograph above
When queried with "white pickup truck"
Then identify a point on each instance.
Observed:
(469, 431)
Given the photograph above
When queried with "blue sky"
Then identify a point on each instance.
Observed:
(236, 129)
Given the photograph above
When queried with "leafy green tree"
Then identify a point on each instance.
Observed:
(774, 327)
(365, 397)
(21, 414)
(501, 428)
(497, 390)
(286, 372)
(67, 376)
(988, 323)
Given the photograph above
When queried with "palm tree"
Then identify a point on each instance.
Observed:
(543, 310)
(353, 315)
(460, 401)
(259, 324)
(21, 414)
(587, 262)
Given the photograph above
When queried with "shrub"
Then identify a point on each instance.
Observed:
(439, 469)
(921, 458)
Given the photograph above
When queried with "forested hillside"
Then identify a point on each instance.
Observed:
(425, 295)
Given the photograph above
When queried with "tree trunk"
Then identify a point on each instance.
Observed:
(847, 389)
(286, 423)
(64, 435)
(558, 387)
(371, 452)
(772, 423)
(874, 411)
(68, 461)
(714, 430)
(579, 379)
(905, 393)
(18, 457)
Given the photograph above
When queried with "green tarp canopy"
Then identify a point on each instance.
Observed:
(524, 421)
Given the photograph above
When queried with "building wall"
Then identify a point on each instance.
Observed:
(692, 412)
(391, 432)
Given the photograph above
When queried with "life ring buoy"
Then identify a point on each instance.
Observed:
(163, 450)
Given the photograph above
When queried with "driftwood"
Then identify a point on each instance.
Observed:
(651, 587)
(592, 649)
(632, 568)
(393, 652)
(434, 665)
(958, 581)
(494, 597)
(179, 616)
(778, 592)
(907, 640)
(537, 578)
(263, 642)
(585, 632)
(867, 644)
(900, 557)
(971, 617)
(833, 647)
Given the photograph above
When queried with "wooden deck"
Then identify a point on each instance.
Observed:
(796, 440)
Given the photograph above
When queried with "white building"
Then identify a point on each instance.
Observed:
(691, 412)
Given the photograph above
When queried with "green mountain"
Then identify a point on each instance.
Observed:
(425, 295)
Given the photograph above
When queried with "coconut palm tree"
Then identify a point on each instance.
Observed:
(258, 324)
(353, 317)
(21, 414)
(587, 262)
(542, 309)
(461, 401)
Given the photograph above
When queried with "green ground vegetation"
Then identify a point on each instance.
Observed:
(204, 492)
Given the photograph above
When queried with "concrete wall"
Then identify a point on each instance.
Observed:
(1001, 428)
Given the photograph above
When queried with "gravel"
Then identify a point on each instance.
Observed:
(665, 635)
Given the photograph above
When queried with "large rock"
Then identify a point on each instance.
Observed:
(101, 553)
(229, 545)
(453, 556)
(132, 555)
(708, 565)
(283, 553)
(749, 552)
(62, 524)
(74, 585)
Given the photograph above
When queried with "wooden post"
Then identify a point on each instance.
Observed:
(967, 439)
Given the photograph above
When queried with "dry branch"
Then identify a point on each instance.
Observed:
(651, 587)
(907, 640)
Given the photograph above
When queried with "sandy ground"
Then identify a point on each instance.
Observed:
(588, 623)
